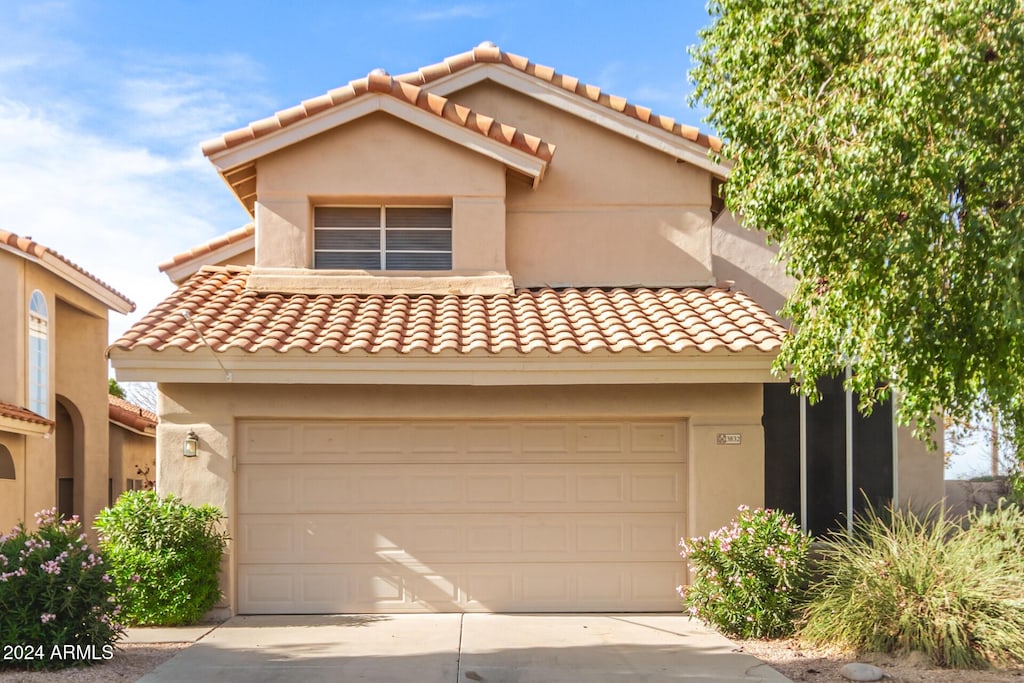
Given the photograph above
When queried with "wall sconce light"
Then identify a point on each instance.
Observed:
(190, 446)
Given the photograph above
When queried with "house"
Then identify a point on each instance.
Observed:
(53, 383)
(474, 352)
(132, 447)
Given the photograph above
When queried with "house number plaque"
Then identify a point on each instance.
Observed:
(729, 439)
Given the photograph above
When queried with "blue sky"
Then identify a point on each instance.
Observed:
(103, 104)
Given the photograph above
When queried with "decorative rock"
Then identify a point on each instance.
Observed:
(861, 672)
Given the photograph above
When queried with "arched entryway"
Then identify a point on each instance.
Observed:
(69, 435)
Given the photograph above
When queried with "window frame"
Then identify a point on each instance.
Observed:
(382, 232)
(38, 354)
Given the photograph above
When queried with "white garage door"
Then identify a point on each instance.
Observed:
(459, 516)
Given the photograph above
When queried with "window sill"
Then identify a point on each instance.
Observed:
(309, 281)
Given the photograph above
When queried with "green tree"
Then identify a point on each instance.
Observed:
(114, 389)
(878, 143)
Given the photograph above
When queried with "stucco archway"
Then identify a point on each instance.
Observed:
(69, 433)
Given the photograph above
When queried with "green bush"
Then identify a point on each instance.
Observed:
(56, 599)
(164, 556)
(747, 577)
(906, 583)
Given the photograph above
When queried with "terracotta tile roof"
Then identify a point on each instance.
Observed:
(379, 82)
(28, 247)
(130, 415)
(489, 53)
(553, 320)
(14, 412)
(200, 250)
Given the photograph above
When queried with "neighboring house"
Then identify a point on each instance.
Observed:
(452, 367)
(53, 383)
(132, 447)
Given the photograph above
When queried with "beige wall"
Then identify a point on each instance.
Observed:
(13, 340)
(128, 451)
(746, 258)
(608, 212)
(720, 477)
(371, 161)
(78, 374)
(921, 471)
(81, 382)
(12, 492)
(246, 258)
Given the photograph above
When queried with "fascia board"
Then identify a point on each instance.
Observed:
(76, 278)
(14, 426)
(485, 370)
(180, 272)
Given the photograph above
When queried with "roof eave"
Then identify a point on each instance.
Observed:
(645, 133)
(179, 272)
(508, 368)
(57, 266)
(24, 427)
(225, 161)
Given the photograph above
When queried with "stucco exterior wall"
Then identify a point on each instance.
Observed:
(130, 451)
(81, 382)
(379, 159)
(12, 491)
(745, 257)
(77, 336)
(13, 304)
(608, 212)
(246, 258)
(720, 477)
(921, 471)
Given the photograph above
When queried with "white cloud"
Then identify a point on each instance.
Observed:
(99, 148)
(115, 209)
(189, 100)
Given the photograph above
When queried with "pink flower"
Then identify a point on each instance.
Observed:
(46, 617)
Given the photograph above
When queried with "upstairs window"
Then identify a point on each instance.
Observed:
(382, 237)
(38, 355)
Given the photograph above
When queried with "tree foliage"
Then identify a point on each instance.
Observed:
(114, 389)
(878, 142)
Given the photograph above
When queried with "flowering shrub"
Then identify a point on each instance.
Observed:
(164, 555)
(56, 598)
(747, 576)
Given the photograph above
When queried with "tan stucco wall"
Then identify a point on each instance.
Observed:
(375, 160)
(12, 492)
(921, 471)
(246, 258)
(608, 212)
(13, 304)
(78, 373)
(746, 258)
(130, 450)
(720, 477)
(81, 382)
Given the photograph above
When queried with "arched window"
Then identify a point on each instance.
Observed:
(6, 464)
(38, 355)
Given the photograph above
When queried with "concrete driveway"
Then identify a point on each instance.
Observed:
(460, 648)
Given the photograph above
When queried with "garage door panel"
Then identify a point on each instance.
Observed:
(303, 589)
(444, 538)
(519, 487)
(379, 442)
(413, 516)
